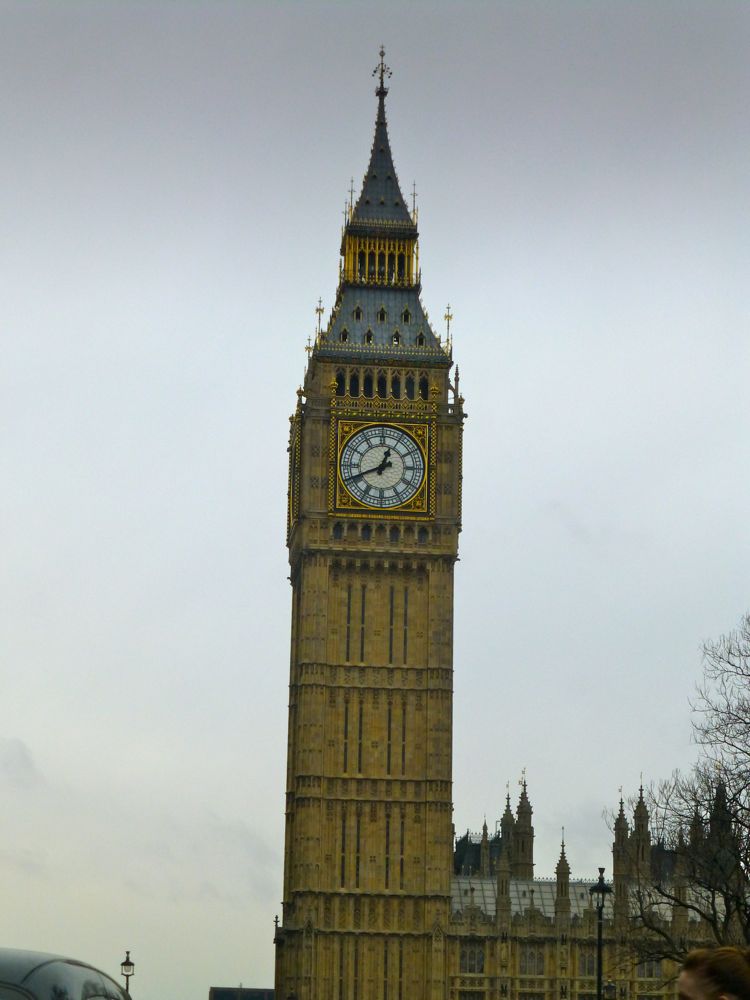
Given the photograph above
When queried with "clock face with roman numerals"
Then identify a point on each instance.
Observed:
(382, 466)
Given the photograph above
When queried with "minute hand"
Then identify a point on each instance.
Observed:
(376, 468)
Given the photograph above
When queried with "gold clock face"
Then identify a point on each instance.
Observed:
(382, 466)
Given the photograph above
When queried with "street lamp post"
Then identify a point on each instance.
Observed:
(599, 892)
(127, 969)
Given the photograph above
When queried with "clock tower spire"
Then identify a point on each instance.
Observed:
(374, 517)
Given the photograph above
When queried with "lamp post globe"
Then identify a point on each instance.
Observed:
(127, 969)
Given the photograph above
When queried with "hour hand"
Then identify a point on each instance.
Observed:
(366, 472)
(384, 463)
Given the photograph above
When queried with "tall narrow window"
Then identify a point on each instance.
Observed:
(382, 388)
(368, 385)
(388, 739)
(387, 850)
(391, 610)
(340, 384)
(356, 850)
(423, 384)
(385, 969)
(360, 728)
(410, 387)
(346, 736)
(341, 969)
(355, 984)
(348, 621)
(354, 384)
(403, 737)
(396, 387)
(400, 969)
(362, 623)
(343, 845)
(406, 621)
(401, 854)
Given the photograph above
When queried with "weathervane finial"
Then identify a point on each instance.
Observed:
(382, 71)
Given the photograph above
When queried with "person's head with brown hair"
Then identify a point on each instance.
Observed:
(715, 974)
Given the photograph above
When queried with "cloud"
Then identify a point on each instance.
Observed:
(17, 767)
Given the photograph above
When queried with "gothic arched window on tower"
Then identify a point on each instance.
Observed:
(401, 266)
(423, 387)
(338, 530)
(391, 267)
(367, 385)
(382, 315)
(420, 339)
(396, 337)
(382, 385)
(472, 958)
(406, 316)
(649, 969)
(361, 265)
(358, 312)
(422, 536)
(368, 337)
(381, 264)
(371, 264)
(340, 383)
(410, 386)
(344, 335)
(354, 384)
(586, 960)
(396, 387)
(532, 960)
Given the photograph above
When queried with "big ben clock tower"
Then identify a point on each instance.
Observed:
(374, 517)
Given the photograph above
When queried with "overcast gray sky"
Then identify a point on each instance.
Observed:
(172, 181)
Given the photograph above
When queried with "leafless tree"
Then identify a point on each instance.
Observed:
(698, 888)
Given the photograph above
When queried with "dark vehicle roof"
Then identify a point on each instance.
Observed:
(45, 975)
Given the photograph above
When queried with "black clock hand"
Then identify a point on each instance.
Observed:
(376, 468)
(385, 464)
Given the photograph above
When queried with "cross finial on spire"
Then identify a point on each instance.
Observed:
(319, 311)
(448, 317)
(382, 71)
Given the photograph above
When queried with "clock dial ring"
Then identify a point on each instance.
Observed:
(382, 466)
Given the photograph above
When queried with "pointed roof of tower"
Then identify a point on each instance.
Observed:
(524, 806)
(563, 868)
(640, 813)
(720, 817)
(378, 311)
(381, 200)
(695, 832)
(621, 823)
